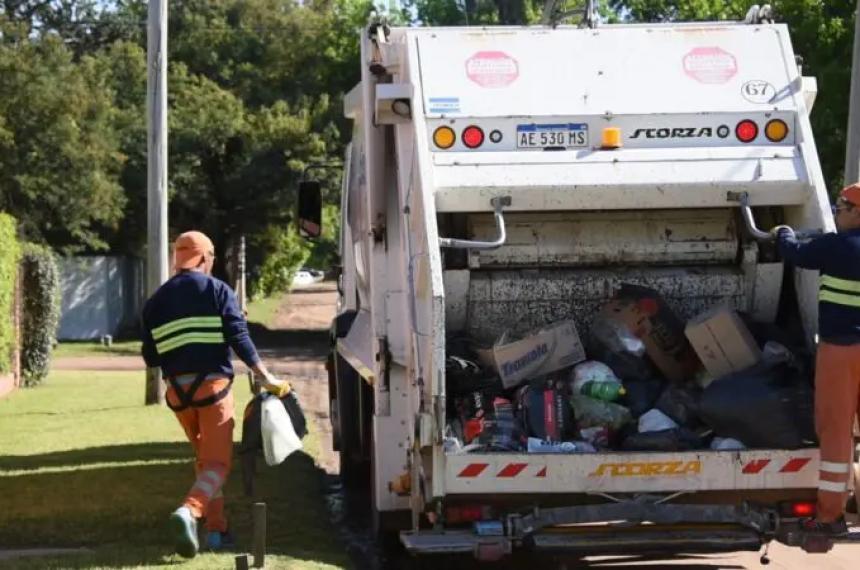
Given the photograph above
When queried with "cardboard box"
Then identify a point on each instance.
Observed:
(540, 352)
(722, 341)
(645, 313)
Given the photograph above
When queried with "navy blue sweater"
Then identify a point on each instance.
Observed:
(190, 324)
(837, 257)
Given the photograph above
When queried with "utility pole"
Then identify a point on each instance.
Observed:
(852, 152)
(156, 162)
(241, 287)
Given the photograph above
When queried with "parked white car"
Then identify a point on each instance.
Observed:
(305, 277)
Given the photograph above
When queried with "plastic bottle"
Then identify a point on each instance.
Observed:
(605, 391)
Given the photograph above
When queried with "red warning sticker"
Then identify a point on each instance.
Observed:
(711, 65)
(492, 69)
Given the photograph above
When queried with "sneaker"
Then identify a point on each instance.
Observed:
(183, 529)
(835, 528)
(216, 541)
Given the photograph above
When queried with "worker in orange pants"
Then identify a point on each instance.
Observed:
(189, 327)
(837, 403)
(837, 373)
(210, 431)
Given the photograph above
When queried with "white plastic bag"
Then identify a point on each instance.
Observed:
(591, 371)
(279, 437)
(726, 444)
(655, 420)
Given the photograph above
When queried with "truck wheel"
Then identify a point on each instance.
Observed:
(354, 466)
(333, 412)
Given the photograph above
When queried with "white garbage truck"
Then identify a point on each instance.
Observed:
(503, 176)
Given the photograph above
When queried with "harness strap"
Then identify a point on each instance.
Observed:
(186, 397)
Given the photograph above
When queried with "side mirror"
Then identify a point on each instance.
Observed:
(310, 209)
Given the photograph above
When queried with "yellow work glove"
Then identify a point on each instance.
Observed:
(272, 385)
(279, 388)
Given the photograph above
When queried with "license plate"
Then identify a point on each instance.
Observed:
(568, 135)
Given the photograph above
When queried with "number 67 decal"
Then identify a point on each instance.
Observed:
(760, 92)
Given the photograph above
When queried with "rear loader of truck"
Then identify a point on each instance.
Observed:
(502, 179)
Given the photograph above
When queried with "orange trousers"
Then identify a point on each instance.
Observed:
(837, 403)
(210, 431)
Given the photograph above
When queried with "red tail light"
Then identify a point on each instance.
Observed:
(467, 513)
(473, 137)
(746, 131)
(803, 510)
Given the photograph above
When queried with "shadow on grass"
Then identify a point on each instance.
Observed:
(119, 511)
(78, 458)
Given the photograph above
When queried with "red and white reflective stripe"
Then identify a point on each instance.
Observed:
(205, 487)
(508, 471)
(209, 482)
(836, 468)
(472, 470)
(512, 470)
(793, 465)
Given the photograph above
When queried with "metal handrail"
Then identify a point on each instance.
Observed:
(498, 204)
(754, 231)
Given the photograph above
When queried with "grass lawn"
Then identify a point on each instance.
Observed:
(123, 348)
(84, 463)
(263, 311)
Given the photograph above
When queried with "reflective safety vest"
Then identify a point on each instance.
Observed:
(839, 291)
(188, 330)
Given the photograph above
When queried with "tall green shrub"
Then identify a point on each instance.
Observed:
(289, 253)
(41, 311)
(9, 255)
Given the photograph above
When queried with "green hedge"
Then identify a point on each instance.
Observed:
(41, 311)
(288, 253)
(9, 255)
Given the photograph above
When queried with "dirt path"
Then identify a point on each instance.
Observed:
(309, 308)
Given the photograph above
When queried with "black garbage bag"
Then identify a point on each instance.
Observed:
(252, 435)
(464, 375)
(471, 390)
(677, 439)
(543, 407)
(614, 344)
(641, 395)
(681, 403)
(765, 406)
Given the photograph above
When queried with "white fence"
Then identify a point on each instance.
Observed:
(102, 295)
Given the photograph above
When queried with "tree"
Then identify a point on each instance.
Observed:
(474, 12)
(255, 96)
(59, 149)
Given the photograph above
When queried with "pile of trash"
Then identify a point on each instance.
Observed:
(643, 381)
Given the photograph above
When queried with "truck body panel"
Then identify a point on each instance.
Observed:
(612, 155)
